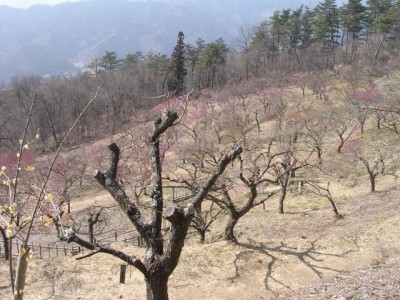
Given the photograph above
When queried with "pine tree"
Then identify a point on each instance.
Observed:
(214, 57)
(176, 83)
(110, 61)
(326, 23)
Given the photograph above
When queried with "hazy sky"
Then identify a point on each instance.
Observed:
(27, 3)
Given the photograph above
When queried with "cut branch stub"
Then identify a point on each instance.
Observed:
(160, 126)
(189, 210)
(173, 214)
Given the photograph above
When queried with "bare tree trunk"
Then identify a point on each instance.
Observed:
(20, 277)
(341, 144)
(285, 182)
(5, 243)
(372, 177)
(157, 286)
(229, 234)
(202, 234)
(378, 49)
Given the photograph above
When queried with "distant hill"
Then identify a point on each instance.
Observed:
(55, 39)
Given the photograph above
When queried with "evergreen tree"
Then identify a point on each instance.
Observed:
(132, 62)
(110, 61)
(353, 18)
(176, 82)
(214, 57)
(306, 27)
(326, 23)
(194, 54)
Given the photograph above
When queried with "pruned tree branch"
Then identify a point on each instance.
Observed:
(97, 248)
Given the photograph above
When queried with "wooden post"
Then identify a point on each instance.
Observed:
(48, 248)
(300, 187)
(57, 251)
(116, 236)
(173, 194)
(65, 251)
(40, 251)
(122, 274)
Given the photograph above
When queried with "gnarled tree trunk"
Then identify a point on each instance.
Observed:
(229, 234)
(157, 286)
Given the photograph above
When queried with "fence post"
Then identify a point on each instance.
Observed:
(40, 251)
(122, 274)
(65, 251)
(116, 236)
(48, 248)
(57, 251)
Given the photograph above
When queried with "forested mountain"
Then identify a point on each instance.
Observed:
(54, 39)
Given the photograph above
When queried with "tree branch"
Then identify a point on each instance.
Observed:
(224, 161)
(131, 260)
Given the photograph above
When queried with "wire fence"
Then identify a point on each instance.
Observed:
(43, 250)
(59, 249)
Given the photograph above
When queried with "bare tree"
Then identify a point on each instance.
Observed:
(203, 220)
(317, 189)
(161, 258)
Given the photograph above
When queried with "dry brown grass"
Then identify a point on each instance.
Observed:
(277, 255)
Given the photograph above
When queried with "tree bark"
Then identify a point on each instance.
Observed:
(229, 234)
(372, 177)
(283, 192)
(5, 243)
(20, 277)
(157, 286)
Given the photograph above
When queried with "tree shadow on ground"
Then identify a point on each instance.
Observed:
(311, 257)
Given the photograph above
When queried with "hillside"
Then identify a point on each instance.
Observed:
(305, 253)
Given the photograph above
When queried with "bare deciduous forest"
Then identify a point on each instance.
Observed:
(261, 170)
